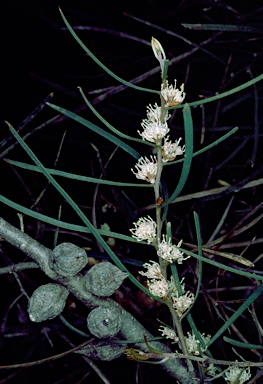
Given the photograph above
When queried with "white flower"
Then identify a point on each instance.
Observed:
(171, 150)
(182, 303)
(193, 345)
(210, 370)
(239, 374)
(145, 229)
(153, 270)
(172, 95)
(158, 287)
(170, 252)
(146, 169)
(169, 333)
(153, 129)
(154, 113)
(157, 284)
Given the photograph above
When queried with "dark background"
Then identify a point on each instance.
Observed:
(39, 57)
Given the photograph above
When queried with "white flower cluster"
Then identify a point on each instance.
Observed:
(170, 150)
(156, 282)
(155, 128)
(236, 374)
(145, 229)
(210, 370)
(159, 287)
(183, 302)
(169, 333)
(146, 169)
(170, 252)
(193, 345)
(172, 95)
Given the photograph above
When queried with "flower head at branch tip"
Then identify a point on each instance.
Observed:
(172, 95)
(153, 129)
(154, 113)
(146, 169)
(170, 252)
(158, 288)
(169, 333)
(171, 150)
(145, 229)
(193, 345)
(234, 375)
(153, 271)
(156, 282)
(158, 50)
(182, 303)
(210, 370)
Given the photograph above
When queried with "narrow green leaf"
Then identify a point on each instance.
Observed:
(197, 334)
(74, 329)
(238, 313)
(256, 127)
(108, 125)
(223, 266)
(55, 242)
(78, 211)
(79, 228)
(224, 137)
(63, 224)
(200, 253)
(224, 94)
(223, 28)
(96, 129)
(241, 344)
(176, 279)
(97, 61)
(200, 268)
(188, 128)
(73, 176)
(43, 125)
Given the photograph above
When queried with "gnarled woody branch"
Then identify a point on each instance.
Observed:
(131, 329)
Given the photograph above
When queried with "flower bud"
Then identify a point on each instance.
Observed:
(158, 50)
(47, 302)
(68, 259)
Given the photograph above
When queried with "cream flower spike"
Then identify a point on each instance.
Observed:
(172, 95)
(234, 374)
(171, 150)
(146, 169)
(153, 129)
(145, 229)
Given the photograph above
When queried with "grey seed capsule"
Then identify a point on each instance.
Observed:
(68, 259)
(104, 279)
(105, 350)
(47, 302)
(104, 322)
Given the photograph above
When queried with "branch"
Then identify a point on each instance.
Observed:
(131, 329)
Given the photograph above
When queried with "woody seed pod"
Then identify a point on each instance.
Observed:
(104, 279)
(47, 302)
(105, 350)
(104, 322)
(68, 259)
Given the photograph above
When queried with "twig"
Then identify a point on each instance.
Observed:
(131, 329)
